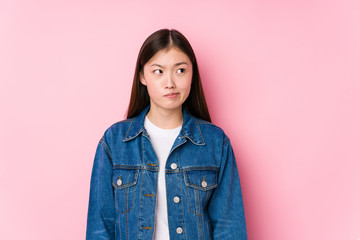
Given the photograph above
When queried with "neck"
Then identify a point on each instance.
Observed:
(166, 119)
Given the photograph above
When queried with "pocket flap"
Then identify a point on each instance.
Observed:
(123, 178)
(201, 179)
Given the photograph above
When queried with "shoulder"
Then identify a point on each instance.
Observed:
(212, 131)
(117, 131)
(119, 126)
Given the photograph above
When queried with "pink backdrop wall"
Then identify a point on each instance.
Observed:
(281, 78)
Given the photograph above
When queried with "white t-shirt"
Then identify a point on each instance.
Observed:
(162, 140)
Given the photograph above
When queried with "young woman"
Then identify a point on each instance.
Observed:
(166, 172)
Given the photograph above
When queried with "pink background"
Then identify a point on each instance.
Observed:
(281, 78)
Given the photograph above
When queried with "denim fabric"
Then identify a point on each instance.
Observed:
(203, 188)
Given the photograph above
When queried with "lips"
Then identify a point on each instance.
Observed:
(171, 95)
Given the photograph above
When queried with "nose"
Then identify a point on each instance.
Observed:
(170, 82)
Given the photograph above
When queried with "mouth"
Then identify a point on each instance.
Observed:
(171, 95)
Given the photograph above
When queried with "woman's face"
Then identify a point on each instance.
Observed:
(167, 76)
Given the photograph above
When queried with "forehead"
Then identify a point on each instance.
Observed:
(168, 56)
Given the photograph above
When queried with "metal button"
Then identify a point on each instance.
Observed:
(179, 230)
(119, 182)
(176, 199)
(204, 183)
(173, 166)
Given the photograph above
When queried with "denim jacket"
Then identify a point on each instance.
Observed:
(204, 197)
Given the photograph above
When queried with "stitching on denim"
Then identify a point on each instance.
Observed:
(130, 184)
(209, 187)
(188, 169)
(199, 144)
(173, 171)
(197, 201)
(106, 148)
(200, 228)
(140, 205)
(126, 138)
(134, 196)
(199, 214)
(188, 198)
(126, 214)
(150, 169)
(119, 229)
(125, 211)
(191, 140)
(121, 166)
(116, 201)
(142, 176)
(201, 168)
(124, 186)
(226, 140)
(198, 206)
(128, 129)
(145, 134)
(131, 138)
(197, 121)
(125, 189)
(182, 205)
(125, 192)
(132, 167)
(173, 149)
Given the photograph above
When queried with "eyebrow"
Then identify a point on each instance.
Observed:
(177, 64)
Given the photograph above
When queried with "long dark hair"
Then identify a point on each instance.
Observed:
(159, 40)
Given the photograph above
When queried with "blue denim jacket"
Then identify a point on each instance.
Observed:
(200, 171)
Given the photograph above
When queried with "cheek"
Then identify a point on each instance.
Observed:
(153, 90)
(187, 85)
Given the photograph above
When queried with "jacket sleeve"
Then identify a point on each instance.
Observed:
(101, 212)
(226, 208)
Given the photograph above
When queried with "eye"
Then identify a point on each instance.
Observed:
(180, 70)
(158, 71)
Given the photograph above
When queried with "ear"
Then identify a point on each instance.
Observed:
(142, 79)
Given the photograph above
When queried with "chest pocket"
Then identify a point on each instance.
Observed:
(124, 183)
(199, 187)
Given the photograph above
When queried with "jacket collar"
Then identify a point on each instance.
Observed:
(190, 128)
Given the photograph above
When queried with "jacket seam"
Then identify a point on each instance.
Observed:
(127, 215)
(128, 129)
(226, 141)
(106, 148)
(197, 121)
(135, 167)
(181, 195)
(200, 227)
(140, 193)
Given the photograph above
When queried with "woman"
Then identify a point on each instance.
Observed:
(166, 172)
